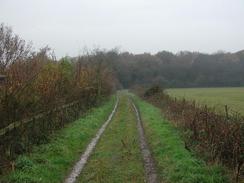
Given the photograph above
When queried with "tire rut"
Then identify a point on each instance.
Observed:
(89, 149)
(149, 164)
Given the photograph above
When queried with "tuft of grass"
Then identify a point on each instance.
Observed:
(233, 97)
(53, 161)
(174, 162)
(117, 157)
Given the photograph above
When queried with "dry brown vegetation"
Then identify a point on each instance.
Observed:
(218, 138)
(42, 94)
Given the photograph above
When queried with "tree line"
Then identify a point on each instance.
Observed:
(40, 94)
(183, 69)
(35, 81)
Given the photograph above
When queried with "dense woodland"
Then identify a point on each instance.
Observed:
(184, 69)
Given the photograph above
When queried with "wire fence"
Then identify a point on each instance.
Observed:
(19, 137)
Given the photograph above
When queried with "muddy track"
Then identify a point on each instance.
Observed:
(149, 165)
(84, 157)
(148, 161)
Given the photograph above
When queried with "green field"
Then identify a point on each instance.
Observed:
(214, 97)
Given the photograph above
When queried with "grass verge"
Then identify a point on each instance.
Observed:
(52, 162)
(175, 164)
(117, 157)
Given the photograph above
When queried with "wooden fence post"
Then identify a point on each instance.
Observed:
(226, 112)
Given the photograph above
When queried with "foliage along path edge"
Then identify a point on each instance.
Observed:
(51, 162)
(174, 163)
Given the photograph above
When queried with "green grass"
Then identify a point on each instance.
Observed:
(117, 157)
(214, 97)
(51, 163)
(175, 164)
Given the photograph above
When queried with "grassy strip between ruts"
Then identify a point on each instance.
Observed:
(117, 157)
(174, 162)
(52, 162)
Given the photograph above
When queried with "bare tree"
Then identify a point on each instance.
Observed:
(12, 47)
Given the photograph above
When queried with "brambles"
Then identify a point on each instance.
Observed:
(175, 163)
(50, 162)
(218, 137)
(37, 89)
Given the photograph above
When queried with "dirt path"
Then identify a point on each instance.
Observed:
(117, 157)
(147, 157)
(122, 154)
(84, 157)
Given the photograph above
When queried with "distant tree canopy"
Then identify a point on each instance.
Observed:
(184, 69)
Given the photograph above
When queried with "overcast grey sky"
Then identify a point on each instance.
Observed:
(137, 26)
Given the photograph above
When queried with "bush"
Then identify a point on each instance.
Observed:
(154, 90)
(217, 137)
